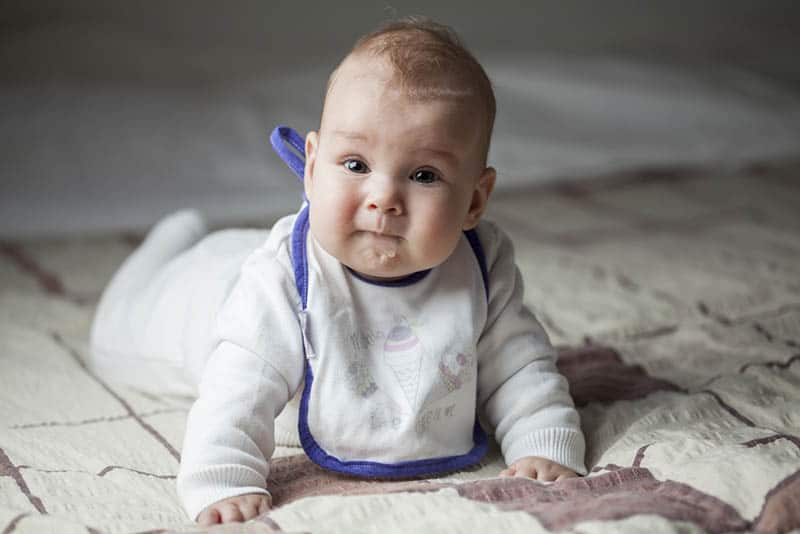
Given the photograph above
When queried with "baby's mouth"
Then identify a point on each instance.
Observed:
(382, 237)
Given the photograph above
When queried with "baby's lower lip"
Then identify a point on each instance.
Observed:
(381, 235)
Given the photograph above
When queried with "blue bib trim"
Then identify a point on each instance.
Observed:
(406, 281)
(299, 263)
(475, 243)
(317, 454)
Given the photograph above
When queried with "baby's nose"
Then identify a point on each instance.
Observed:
(386, 197)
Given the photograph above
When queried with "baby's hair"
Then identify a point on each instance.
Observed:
(429, 61)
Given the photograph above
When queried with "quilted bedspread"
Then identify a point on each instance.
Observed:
(675, 299)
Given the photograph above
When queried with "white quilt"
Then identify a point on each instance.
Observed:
(675, 299)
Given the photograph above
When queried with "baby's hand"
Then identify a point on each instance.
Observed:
(538, 469)
(235, 509)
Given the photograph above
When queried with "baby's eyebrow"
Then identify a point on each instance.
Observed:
(450, 157)
(355, 136)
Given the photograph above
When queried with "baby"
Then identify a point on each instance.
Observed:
(386, 301)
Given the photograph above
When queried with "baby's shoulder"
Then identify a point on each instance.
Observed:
(494, 241)
(487, 230)
(273, 256)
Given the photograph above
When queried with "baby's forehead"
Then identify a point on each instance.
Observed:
(362, 76)
(359, 110)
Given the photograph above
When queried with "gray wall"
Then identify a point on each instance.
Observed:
(191, 40)
(113, 113)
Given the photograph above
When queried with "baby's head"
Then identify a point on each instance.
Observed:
(398, 168)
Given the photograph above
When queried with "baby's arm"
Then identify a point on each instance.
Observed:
(229, 434)
(520, 391)
(253, 371)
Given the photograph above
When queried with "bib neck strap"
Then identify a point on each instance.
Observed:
(283, 140)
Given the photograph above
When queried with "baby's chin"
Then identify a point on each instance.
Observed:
(381, 264)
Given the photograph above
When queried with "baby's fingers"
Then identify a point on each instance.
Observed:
(230, 512)
(248, 510)
(508, 472)
(527, 471)
(254, 505)
(208, 517)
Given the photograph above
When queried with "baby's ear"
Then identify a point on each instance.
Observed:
(312, 143)
(480, 197)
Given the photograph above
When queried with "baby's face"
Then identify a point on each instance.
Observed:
(393, 181)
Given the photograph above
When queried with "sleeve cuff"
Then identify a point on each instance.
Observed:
(565, 446)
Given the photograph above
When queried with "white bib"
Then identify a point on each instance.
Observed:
(391, 369)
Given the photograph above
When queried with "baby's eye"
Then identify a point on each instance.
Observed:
(424, 176)
(356, 166)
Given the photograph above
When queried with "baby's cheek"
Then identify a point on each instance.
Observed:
(342, 210)
(332, 214)
(442, 239)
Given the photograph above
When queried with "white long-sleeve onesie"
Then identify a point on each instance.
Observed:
(256, 360)
(258, 363)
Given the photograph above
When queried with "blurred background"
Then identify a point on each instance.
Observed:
(113, 113)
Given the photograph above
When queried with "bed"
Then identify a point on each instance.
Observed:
(672, 294)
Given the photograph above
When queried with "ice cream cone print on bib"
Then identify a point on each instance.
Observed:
(402, 352)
